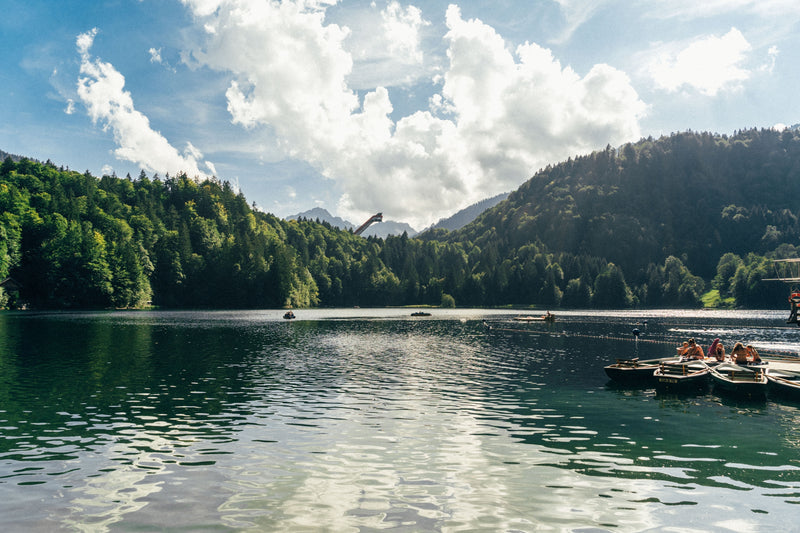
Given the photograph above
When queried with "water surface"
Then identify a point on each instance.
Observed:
(367, 420)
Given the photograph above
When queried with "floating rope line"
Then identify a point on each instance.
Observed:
(666, 340)
(657, 322)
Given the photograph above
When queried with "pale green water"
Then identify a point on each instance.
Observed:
(365, 420)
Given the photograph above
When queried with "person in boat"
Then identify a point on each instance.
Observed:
(739, 354)
(693, 350)
(794, 301)
(683, 348)
(712, 350)
(716, 351)
(720, 353)
(753, 354)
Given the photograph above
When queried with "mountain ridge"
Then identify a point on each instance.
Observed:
(381, 229)
(464, 216)
(654, 223)
(692, 196)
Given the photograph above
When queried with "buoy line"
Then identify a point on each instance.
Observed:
(671, 341)
(658, 323)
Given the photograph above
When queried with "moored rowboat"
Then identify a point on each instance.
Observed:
(632, 371)
(740, 380)
(681, 374)
(784, 383)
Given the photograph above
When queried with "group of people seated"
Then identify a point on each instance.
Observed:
(740, 355)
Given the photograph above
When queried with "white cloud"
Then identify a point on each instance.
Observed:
(576, 13)
(155, 55)
(514, 116)
(508, 114)
(85, 41)
(289, 68)
(767, 22)
(386, 46)
(101, 88)
(708, 65)
(772, 57)
(401, 28)
(692, 9)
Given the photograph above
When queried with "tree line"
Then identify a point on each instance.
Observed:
(662, 223)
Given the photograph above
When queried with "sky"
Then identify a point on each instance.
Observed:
(413, 109)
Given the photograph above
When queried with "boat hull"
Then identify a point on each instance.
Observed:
(740, 381)
(784, 385)
(635, 371)
(690, 375)
(631, 374)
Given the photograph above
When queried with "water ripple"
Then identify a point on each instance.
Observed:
(241, 420)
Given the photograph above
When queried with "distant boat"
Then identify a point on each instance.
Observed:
(420, 313)
(547, 317)
(288, 315)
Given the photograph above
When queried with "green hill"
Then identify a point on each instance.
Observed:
(694, 196)
(657, 223)
(691, 196)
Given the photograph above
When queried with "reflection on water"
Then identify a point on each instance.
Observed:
(374, 420)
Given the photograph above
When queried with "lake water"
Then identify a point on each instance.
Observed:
(369, 420)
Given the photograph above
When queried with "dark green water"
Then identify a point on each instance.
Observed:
(362, 420)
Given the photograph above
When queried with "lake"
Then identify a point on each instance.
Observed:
(370, 420)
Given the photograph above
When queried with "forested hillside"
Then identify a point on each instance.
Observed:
(71, 240)
(658, 223)
(680, 202)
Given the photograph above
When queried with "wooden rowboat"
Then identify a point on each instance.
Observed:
(740, 380)
(784, 383)
(633, 371)
(681, 374)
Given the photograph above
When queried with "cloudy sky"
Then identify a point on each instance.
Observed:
(415, 109)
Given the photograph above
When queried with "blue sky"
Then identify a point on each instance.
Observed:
(414, 109)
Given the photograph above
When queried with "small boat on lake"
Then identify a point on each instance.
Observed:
(547, 317)
(784, 383)
(420, 313)
(633, 371)
(288, 315)
(740, 380)
(680, 374)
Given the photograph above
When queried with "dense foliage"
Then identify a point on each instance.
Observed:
(658, 223)
(71, 240)
(665, 212)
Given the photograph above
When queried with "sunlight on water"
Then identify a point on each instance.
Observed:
(359, 420)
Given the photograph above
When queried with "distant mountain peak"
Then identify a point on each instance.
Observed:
(323, 215)
(468, 214)
(381, 229)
